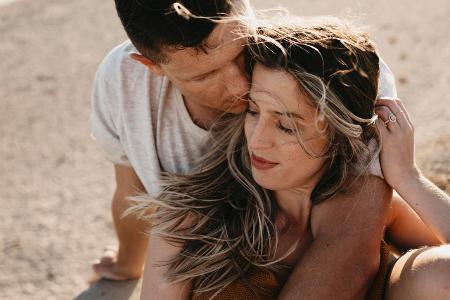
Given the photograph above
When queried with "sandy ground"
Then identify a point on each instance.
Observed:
(55, 187)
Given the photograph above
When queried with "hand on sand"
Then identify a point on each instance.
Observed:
(108, 267)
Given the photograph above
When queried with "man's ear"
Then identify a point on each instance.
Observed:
(153, 67)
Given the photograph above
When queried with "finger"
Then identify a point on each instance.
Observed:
(397, 107)
(108, 272)
(108, 260)
(383, 113)
(109, 255)
(393, 104)
(396, 110)
(382, 129)
(407, 116)
(385, 101)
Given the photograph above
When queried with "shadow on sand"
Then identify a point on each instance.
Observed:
(111, 290)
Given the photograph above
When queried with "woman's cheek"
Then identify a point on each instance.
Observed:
(292, 152)
(247, 126)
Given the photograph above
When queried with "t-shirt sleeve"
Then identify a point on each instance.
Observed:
(375, 166)
(386, 89)
(104, 118)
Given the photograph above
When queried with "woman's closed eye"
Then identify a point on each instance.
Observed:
(280, 125)
(285, 128)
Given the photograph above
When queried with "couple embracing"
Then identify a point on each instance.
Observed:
(261, 158)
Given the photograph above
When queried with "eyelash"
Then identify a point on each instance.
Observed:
(201, 78)
(279, 125)
(284, 129)
(251, 112)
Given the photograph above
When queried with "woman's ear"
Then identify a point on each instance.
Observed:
(153, 67)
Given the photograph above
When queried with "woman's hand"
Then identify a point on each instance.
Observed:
(397, 143)
(400, 171)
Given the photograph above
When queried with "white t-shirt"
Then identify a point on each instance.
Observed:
(139, 118)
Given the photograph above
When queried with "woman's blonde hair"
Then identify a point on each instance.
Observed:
(222, 218)
(338, 69)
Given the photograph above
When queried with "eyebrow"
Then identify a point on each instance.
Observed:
(288, 113)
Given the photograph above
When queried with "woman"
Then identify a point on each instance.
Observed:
(237, 226)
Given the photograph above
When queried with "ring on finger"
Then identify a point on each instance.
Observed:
(392, 118)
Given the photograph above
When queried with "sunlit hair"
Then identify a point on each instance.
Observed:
(338, 69)
(223, 220)
(157, 26)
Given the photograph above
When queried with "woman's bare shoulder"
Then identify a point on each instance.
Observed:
(365, 204)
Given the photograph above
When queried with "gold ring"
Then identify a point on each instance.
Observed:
(392, 118)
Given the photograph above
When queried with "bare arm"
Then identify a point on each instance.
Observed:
(130, 230)
(430, 203)
(347, 231)
(154, 285)
(405, 230)
(128, 262)
(397, 162)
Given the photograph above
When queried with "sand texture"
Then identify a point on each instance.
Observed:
(55, 186)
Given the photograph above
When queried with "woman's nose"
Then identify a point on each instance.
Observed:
(260, 136)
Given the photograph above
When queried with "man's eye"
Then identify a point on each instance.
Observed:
(251, 112)
(201, 78)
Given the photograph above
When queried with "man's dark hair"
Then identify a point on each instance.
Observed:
(153, 24)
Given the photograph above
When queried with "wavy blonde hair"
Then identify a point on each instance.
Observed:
(222, 218)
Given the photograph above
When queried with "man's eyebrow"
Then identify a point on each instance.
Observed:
(287, 113)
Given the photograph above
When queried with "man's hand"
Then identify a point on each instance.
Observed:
(128, 261)
(344, 255)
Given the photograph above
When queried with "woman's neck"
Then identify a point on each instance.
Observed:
(294, 207)
(295, 203)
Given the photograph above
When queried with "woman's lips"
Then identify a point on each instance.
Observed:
(261, 163)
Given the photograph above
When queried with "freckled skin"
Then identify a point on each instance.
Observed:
(226, 81)
(274, 90)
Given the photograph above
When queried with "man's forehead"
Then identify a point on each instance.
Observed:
(223, 40)
(223, 34)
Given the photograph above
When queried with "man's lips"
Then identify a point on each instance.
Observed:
(261, 163)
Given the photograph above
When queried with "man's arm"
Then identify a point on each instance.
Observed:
(131, 232)
(154, 283)
(344, 255)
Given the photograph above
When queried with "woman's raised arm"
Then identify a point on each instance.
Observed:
(400, 171)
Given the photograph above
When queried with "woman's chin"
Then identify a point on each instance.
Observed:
(265, 182)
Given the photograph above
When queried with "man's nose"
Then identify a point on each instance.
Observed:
(238, 79)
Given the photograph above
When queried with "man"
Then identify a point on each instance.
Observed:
(155, 97)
